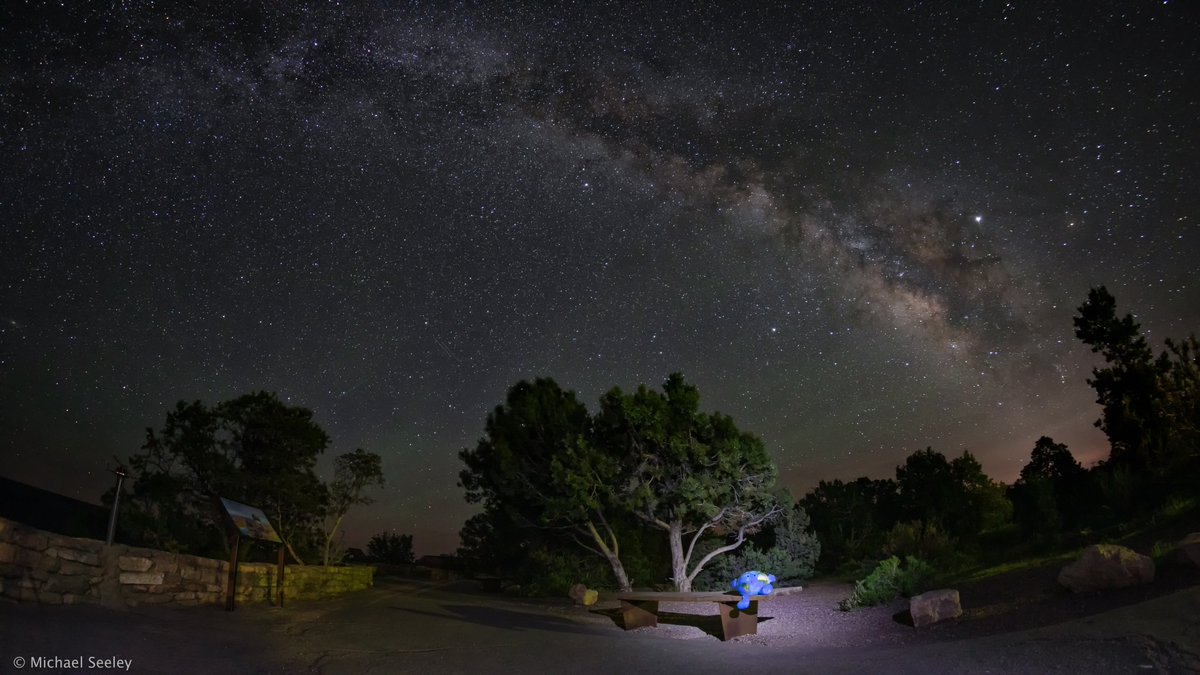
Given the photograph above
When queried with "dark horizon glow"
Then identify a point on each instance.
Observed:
(860, 232)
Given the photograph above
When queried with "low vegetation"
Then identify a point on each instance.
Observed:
(889, 580)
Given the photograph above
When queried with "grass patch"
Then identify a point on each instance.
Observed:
(1015, 566)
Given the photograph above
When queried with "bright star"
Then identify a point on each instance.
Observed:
(979, 219)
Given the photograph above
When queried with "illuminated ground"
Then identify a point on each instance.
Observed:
(413, 627)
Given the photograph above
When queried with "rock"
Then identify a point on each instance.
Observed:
(132, 564)
(577, 593)
(80, 556)
(590, 597)
(1104, 566)
(141, 578)
(934, 606)
(1189, 548)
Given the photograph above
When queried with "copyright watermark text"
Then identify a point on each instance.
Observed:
(71, 663)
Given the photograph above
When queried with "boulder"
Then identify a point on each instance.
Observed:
(577, 593)
(934, 606)
(1104, 566)
(1189, 548)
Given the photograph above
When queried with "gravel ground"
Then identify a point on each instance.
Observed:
(810, 618)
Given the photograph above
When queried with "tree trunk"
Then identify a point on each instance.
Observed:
(619, 572)
(329, 537)
(611, 553)
(291, 550)
(679, 575)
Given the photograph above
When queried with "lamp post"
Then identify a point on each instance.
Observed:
(120, 473)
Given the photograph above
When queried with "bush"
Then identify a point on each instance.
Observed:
(550, 572)
(390, 547)
(792, 559)
(1162, 551)
(919, 540)
(887, 581)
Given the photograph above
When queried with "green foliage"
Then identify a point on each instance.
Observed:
(552, 572)
(1176, 506)
(887, 581)
(253, 449)
(921, 540)
(1162, 551)
(391, 548)
(537, 467)
(1054, 493)
(492, 544)
(850, 519)
(548, 473)
(692, 471)
(792, 558)
(1035, 505)
(955, 495)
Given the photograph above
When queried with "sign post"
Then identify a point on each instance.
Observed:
(279, 576)
(251, 522)
(231, 585)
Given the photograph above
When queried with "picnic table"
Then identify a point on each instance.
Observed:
(640, 609)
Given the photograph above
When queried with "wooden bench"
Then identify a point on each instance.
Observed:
(640, 610)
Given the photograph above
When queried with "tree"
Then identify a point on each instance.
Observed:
(1127, 388)
(392, 548)
(491, 543)
(980, 502)
(851, 519)
(1053, 490)
(252, 449)
(1052, 461)
(692, 472)
(1150, 406)
(353, 473)
(955, 495)
(537, 465)
(1179, 377)
(927, 487)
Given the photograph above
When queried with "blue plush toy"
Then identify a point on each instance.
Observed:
(751, 584)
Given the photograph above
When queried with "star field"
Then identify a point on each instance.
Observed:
(860, 231)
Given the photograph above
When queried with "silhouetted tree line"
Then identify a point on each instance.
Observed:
(253, 449)
(391, 547)
(949, 511)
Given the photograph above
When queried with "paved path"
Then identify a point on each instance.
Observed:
(412, 627)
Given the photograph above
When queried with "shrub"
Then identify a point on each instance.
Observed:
(392, 548)
(791, 559)
(1162, 550)
(918, 539)
(887, 581)
(550, 572)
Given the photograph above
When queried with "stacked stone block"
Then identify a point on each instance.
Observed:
(37, 566)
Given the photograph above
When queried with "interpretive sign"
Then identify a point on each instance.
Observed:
(249, 521)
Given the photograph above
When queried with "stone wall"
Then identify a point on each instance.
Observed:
(38, 566)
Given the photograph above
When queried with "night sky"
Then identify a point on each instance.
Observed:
(859, 231)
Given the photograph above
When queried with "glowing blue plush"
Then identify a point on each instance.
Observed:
(751, 584)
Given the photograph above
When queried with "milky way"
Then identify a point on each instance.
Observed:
(859, 231)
